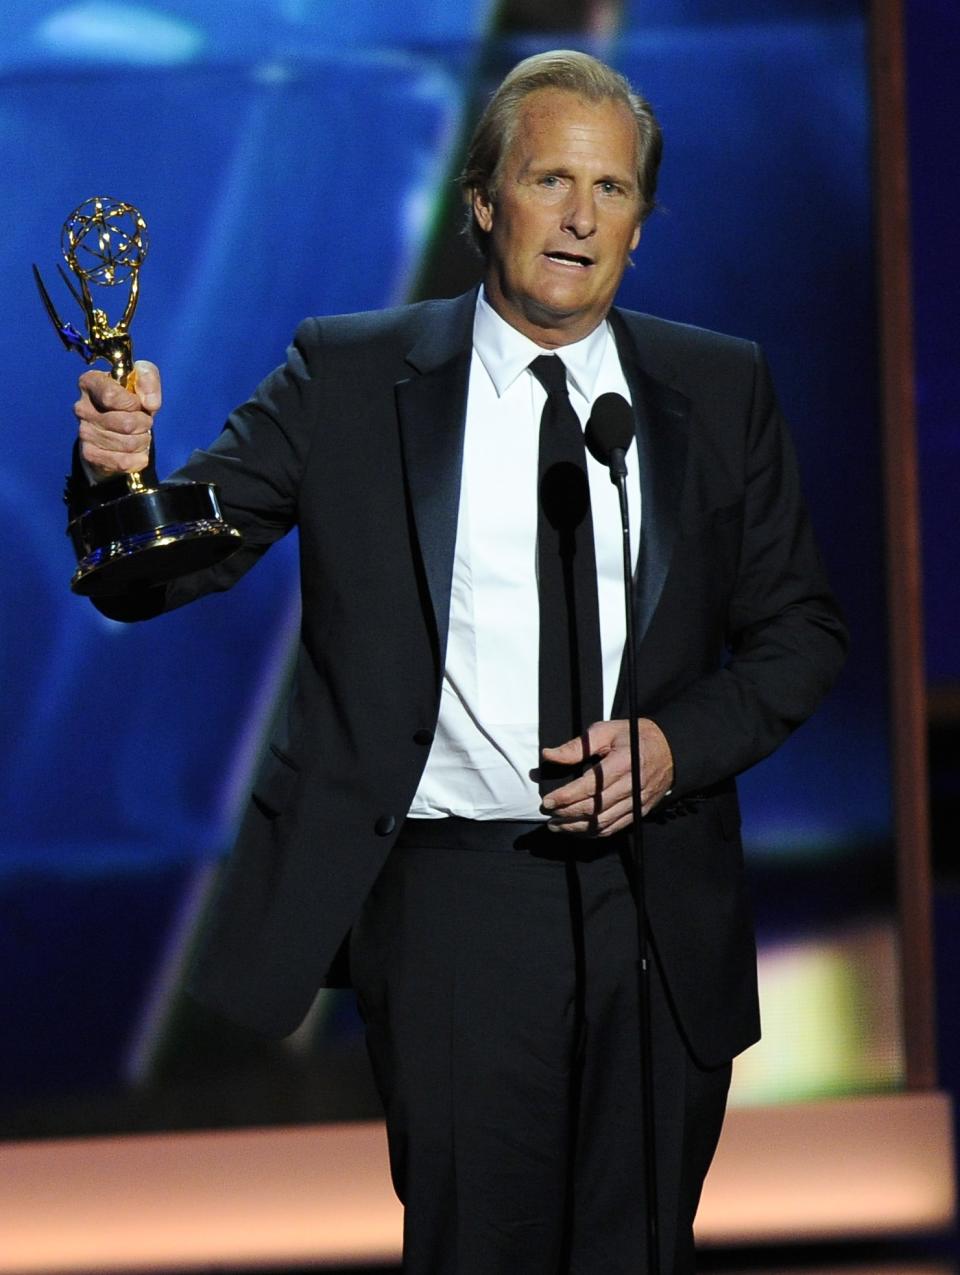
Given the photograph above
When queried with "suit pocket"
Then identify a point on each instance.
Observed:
(275, 782)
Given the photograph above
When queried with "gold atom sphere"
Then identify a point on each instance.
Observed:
(104, 241)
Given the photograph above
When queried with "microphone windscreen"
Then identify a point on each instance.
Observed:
(610, 427)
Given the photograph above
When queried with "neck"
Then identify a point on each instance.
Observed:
(549, 331)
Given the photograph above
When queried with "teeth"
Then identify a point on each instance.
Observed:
(564, 256)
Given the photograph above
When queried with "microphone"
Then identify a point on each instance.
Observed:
(608, 436)
(609, 433)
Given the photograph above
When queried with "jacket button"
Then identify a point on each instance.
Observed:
(423, 736)
(385, 825)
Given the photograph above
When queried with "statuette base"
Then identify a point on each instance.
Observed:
(149, 537)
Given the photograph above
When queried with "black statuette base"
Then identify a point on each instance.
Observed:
(149, 537)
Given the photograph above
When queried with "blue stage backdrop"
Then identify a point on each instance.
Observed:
(289, 158)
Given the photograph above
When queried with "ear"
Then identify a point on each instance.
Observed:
(636, 236)
(482, 209)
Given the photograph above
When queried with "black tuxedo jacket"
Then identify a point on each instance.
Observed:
(357, 441)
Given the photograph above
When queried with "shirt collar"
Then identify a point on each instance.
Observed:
(505, 352)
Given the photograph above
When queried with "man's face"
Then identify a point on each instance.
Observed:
(564, 218)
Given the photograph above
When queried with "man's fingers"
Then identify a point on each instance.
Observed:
(116, 422)
(614, 763)
(566, 754)
(148, 385)
(119, 423)
(126, 419)
(613, 814)
(101, 392)
(114, 443)
(600, 802)
(599, 823)
(597, 740)
(106, 447)
(105, 464)
(584, 795)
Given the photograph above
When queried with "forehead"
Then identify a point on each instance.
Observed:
(554, 125)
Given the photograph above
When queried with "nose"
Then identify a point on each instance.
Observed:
(580, 213)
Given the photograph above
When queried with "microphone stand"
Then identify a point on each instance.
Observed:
(618, 476)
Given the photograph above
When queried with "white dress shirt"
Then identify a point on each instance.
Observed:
(487, 737)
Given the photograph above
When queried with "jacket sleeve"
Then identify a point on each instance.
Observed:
(786, 639)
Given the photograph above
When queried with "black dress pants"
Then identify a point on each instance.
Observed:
(500, 993)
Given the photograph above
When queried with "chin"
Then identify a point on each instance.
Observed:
(562, 303)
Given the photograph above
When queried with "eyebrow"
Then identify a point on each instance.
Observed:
(561, 170)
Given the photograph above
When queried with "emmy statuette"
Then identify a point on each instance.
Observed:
(135, 535)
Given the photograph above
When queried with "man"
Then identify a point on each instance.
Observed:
(492, 928)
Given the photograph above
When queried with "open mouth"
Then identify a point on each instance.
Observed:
(569, 259)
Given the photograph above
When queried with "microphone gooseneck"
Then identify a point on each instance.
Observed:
(608, 435)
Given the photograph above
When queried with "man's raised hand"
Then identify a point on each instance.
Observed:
(116, 423)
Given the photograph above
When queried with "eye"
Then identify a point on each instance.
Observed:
(550, 180)
(611, 188)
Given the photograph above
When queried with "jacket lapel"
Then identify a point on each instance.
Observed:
(431, 408)
(661, 416)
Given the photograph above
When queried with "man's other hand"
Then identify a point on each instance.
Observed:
(600, 802)
(116, 423)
